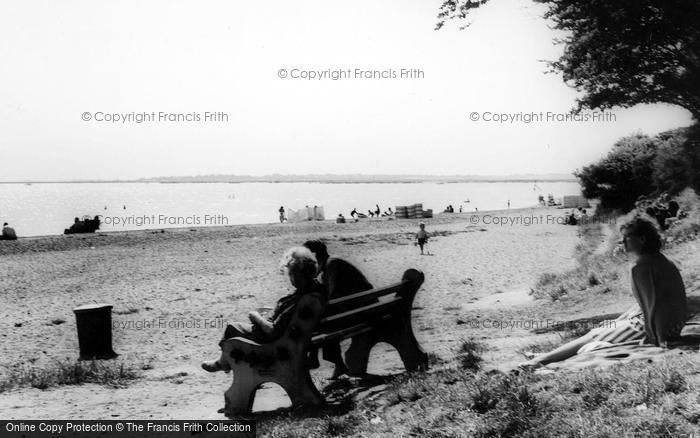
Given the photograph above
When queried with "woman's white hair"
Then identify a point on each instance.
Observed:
(299, 261)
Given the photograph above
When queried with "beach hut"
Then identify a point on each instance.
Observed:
(315, 213)
(418, 208)
(575, 201)
(414, 211)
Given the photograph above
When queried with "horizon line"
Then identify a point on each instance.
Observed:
(318, 178)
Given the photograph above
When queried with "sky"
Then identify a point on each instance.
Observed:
(68, 66)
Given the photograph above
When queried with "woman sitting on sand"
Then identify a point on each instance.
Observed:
(661, 309)
(301, 267)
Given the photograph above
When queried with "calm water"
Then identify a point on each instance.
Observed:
(41, 209)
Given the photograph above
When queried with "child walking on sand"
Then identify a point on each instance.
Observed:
(422, 237)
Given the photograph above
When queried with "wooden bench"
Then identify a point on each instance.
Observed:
(377, 315)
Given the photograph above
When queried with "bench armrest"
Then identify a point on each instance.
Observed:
(241, 349)
(238, 341)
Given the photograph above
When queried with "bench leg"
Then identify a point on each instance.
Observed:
(399, 335)
(357, 356)
(240, 396)
(300, 388)
(413, 356)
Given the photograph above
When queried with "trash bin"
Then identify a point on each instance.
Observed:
(94, 322)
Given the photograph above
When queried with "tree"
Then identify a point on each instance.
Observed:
(677, 162)
(622, 52)
(623, 175)
(671, 171)
(639, 165)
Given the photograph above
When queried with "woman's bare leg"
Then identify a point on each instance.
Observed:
(560, 353)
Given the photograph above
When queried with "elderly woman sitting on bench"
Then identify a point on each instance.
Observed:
(300, 264)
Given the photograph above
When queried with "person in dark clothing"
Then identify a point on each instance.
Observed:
(93, 224)
(660, 214)
(340, 278)
(84, 226)
(673, 208)
(302, 268)
(8, 233)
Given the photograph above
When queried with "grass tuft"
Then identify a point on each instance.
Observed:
(59, 373)
(469, 354)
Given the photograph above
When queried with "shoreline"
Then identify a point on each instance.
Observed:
(440, 217)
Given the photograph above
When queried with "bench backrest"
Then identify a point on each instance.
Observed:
(374, 304)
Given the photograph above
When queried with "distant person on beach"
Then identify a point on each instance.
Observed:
(353, 213)
(94, 224)
(281, 212)
(300, 265)
(660, 214)
(340, 219)
(84, 226)
(370, 213)
(75, 228)
(460, 208)
(661, 309)
(378, 211)
(340, 278)
(422, 237)
(8, 233)
(673, 208)
(571, 218)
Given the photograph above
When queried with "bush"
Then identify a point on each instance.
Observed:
(639, 165)
(623, 175)
(689, 227)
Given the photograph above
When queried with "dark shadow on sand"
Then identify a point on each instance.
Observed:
(340, 399)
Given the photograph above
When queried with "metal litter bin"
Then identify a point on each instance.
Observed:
(94, 322)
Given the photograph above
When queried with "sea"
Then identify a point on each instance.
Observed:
(37, 209)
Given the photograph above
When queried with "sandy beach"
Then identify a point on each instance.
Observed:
(173, 292)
